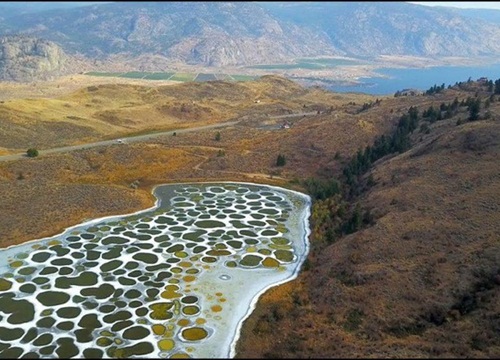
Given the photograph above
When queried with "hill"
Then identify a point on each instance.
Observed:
(420, 282)
(414, 271)
(109, 110)
(404, 235)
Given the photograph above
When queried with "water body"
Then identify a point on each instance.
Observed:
(421, 79)
(176, 280)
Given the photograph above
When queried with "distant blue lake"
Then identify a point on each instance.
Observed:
(421, 79)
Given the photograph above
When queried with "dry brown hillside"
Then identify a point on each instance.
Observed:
(422, 280)
(56, 186)
(110, 110)
(418, 278)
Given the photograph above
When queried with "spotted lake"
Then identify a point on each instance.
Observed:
(176, 280)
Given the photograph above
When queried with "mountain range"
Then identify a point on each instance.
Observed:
(247, 33)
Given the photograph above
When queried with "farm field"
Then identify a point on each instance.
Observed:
(308, 63)
(180, 76)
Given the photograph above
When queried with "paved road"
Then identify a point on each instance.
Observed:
(126, 140)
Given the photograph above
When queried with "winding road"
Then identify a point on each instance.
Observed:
(138, 138)
(126, 140)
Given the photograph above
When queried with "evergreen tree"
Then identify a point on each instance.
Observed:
(413, 117)
(280, 161)
(430, 112)
(448, 114)
(355, 222)
(367, 156)
(497, 86)
(490, 86)
(474, 108)
(32, 152)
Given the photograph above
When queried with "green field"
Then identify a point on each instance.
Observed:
(134, 75)
(183, 77)
(97, 73)
(158, 76)
(205, 77)
(173, 76)
(147, 75)
(243, 77)
(224, 77)
(303, 63)
(307, 63)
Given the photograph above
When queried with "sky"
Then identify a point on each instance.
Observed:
(462, 4)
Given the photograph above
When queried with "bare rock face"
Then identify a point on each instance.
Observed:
(26, 59)
(219, 49)
(204, 33)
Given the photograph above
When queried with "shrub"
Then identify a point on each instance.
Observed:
(217, 136)
(32, 152)
(280, 161)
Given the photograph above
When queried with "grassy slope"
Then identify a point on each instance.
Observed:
(113, 110)
(423, 281)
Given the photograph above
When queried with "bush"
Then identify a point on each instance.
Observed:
(217, 136)
(32, 152)
(280, 161)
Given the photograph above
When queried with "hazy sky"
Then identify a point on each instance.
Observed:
(462, 4)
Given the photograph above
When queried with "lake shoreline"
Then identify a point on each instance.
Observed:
(170, 192)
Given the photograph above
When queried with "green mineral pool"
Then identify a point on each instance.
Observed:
(176, 280)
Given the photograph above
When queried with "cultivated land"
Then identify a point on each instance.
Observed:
(419, 279)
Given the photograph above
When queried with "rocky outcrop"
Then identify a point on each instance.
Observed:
(25, 59)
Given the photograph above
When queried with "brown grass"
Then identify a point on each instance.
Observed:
(421, 282)
(395, 289)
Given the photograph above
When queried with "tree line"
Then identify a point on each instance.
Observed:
(335, 212)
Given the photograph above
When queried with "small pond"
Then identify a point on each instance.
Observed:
(176, 280)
